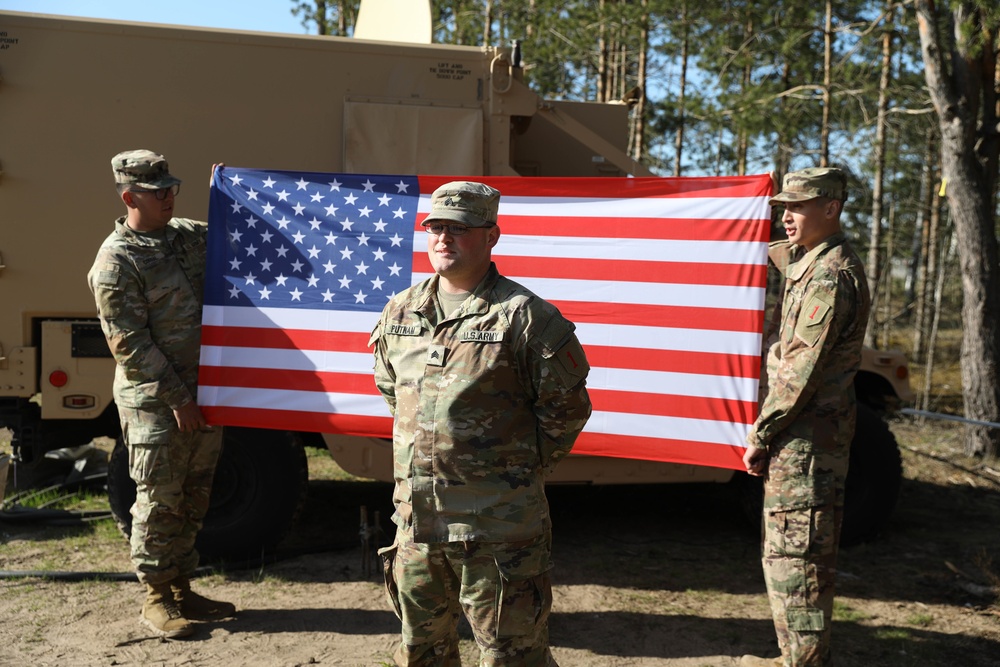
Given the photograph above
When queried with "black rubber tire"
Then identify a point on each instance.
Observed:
(873, 482)
(259, 491)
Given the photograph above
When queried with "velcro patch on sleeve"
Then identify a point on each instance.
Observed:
(813, 318)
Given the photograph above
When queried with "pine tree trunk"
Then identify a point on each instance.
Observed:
(639, 112)
(886, 300)
(968, 161)
(925, 395)
(488, 23)
(874, 260)
(918, 255)
(824, 134)
(679, 137)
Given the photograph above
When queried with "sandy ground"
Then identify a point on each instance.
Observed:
(645, 576)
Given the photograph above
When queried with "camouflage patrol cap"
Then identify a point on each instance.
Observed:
(472, 204)
(811, 183)
(142, 168)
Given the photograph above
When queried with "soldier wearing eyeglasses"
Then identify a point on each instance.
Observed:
(487, 386)
(147, 281)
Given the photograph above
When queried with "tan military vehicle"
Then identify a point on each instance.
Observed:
(73, 92)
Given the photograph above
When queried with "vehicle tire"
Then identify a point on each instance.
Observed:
(872, 487)
(259, 490)
(873, 480)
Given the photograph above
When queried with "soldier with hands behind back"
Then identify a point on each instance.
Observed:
(487, 386)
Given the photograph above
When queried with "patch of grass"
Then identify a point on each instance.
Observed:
(323, 467)
(844, 612)
(922, 620)
(893, 634)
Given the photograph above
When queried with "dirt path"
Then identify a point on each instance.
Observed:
(645, 576)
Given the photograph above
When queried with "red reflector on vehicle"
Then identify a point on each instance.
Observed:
(58, 378)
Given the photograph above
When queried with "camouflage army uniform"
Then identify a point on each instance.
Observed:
(148, 288)
(485, 402)
(806, 423)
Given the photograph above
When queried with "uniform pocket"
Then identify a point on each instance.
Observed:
(804, 619)
(525, 596)
(388, 556)
(797, 479)
(789, 532)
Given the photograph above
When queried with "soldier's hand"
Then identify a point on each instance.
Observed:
(755, 460)
(211, 177)
(189, 418)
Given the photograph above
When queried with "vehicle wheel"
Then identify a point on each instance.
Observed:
(873, 480)
(872, 487)
(259, 490)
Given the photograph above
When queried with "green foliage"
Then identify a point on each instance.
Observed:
(327, 17)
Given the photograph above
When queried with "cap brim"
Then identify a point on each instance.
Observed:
(784, 197)
(162, 182)
(464, 217)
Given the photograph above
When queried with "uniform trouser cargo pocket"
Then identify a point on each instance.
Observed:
(524, 588)
(388, 556)
(522, 604)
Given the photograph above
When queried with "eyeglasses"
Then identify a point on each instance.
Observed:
(437, 228)
(161, 194)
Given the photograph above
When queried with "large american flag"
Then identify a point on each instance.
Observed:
(664, 278)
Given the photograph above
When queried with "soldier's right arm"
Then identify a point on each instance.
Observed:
(780, 254)
(385, 377)
(123, 312)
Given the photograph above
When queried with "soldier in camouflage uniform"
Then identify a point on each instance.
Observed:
(801, 439)
(486, 383)
(147, 280)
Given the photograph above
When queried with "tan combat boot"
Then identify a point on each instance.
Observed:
(197, 607)
(754, 661)
(161, 613)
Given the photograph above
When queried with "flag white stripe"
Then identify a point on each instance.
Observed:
(607, 423)
(369, 405)
(640, 293)
(662, 338)
(289, 318)
(615, 335)
(661, 208)
(618, 379)
(674, 428)
(647, 250)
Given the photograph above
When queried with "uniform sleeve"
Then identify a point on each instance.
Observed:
(123, 312)
(780, 253)
(385, 377)
(559, 371)
(826, 311)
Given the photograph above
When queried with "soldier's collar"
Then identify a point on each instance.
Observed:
(798, 268)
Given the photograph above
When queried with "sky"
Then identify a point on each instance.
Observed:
(260, 15)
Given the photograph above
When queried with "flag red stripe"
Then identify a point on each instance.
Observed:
(615, 188)
(623, 270)
(671, 317)
(280, 378)
(595, 444)
(317, 422)
(673, 361)
(660, 449)
(605, 400)
(284, 339)
(667, 405)
(664, 229)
